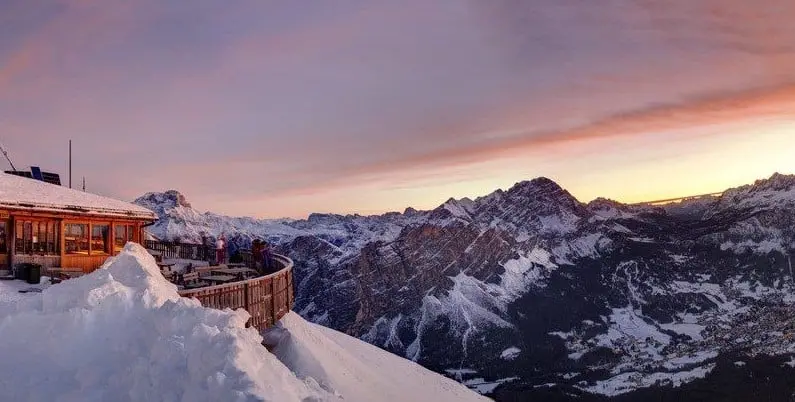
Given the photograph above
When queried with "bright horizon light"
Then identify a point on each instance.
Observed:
(273, 109)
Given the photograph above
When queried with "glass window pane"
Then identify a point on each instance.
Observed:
(28, 237)
(99, 239)
(119, 237)
(19, 241)
(3, 233)
(35, 237)
(53, 243)
(130, 233)
(76, 238)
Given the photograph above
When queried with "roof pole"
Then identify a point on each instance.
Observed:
(70, 163)
(5, 153)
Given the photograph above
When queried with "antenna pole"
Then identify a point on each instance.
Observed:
(84, 184)
(5, 153)
(70, 163)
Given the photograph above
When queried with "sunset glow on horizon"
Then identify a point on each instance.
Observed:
(281, 109)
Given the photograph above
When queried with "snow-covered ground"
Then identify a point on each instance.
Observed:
(123, 333)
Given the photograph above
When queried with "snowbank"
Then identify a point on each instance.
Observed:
(356, 370)
(123, 333)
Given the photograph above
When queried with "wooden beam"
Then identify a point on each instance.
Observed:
(62, 238)
(12, 242)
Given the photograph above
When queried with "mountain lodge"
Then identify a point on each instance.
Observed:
(59, 227)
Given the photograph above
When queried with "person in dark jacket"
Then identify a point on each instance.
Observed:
(256, 254)
(267, 257)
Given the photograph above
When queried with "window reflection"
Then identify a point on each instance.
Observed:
(99, 239)
(3, 233)
(36, 237)
(76, 238)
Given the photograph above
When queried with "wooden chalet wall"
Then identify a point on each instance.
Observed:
(91, 260)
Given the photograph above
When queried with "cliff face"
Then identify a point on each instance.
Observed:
(528, 286)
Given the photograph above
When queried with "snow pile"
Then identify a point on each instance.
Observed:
(123, 333)
(348, 367)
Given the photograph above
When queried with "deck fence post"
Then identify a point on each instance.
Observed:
(245, 296)
(273, 299)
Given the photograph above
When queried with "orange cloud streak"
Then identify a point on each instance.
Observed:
(762, 103)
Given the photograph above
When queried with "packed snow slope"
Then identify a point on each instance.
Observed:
(123, 333)
(530, 293)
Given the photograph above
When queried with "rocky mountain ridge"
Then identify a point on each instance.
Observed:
(528, 291)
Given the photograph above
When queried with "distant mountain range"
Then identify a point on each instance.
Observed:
(529, 293)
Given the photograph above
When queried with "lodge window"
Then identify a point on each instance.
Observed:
(99, 239)
(3, 233)
(121, 235)
(76, 238)
(36, 237)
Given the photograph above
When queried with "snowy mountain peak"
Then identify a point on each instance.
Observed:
(168, 199)
(775, 192)
(462, 208)
(776, 182)
(539, 183)
(602, 203)
(410, 211)
(542, 197)
(607, 208)
(541, 188)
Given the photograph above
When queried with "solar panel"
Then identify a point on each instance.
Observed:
(47, 177)
(36, 172)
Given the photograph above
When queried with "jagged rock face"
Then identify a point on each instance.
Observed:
(163, 201)
(529, 287)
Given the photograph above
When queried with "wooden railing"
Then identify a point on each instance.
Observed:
(188, 251)
(267, 298)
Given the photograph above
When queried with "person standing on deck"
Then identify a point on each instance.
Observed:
(267, 257)
(220, 250)
(256, 254)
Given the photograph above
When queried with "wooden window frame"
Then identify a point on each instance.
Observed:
(129, 234)
(34, 224)
(108, 246)
(66, 223)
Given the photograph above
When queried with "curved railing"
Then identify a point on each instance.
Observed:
(267, 298)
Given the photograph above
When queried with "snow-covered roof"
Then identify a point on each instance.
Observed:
(21, 193)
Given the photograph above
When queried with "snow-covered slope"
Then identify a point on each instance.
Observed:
(123, 333)
(348, 367)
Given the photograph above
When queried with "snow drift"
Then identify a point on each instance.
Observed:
(354, 369)
(123, 333)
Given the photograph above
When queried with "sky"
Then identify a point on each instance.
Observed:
(283, 108)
